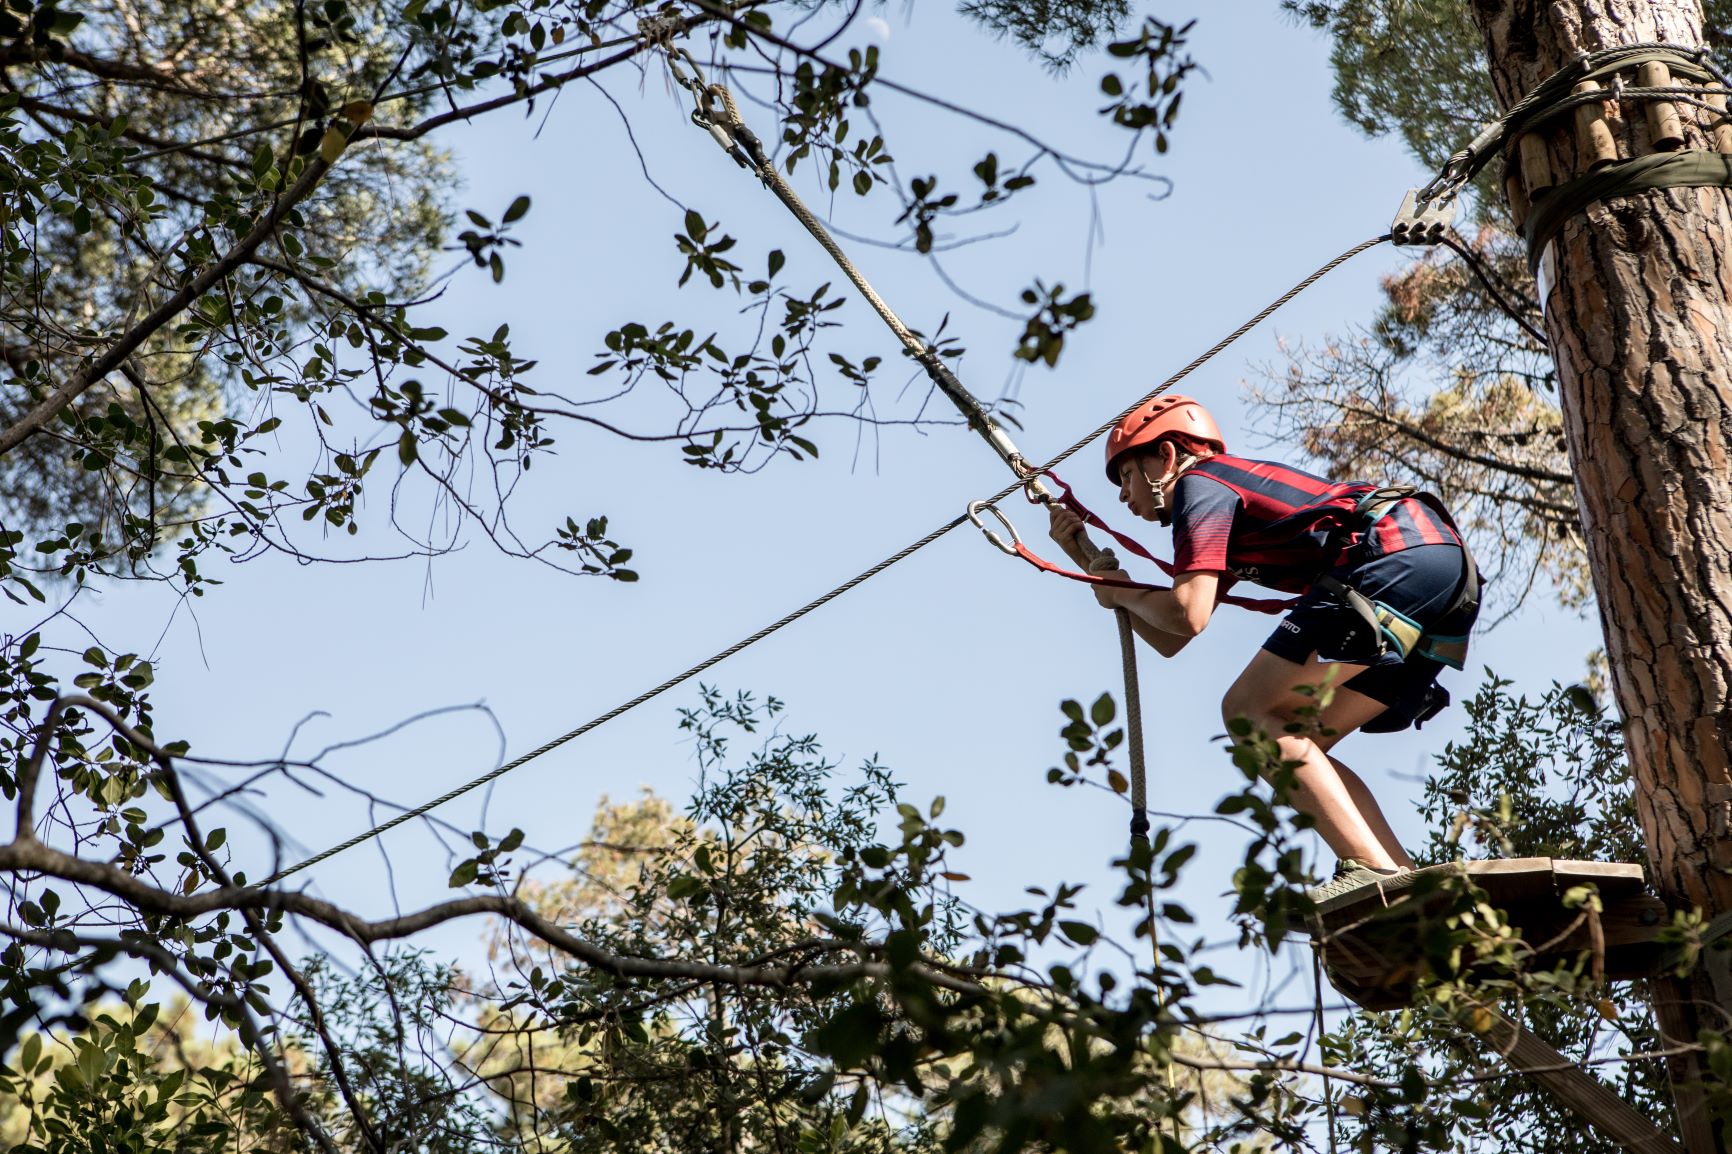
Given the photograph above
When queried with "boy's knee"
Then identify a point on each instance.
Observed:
(1241, 705)
(1237, 704)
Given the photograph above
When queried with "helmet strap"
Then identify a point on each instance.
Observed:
(1157, 487)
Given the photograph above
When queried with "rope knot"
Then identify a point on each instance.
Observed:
(1106, 562)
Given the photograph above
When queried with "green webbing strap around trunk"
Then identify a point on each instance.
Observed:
(1688, 169)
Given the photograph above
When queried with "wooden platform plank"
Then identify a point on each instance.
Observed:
(1504, 880)
(1591, 1099)
(1372, 939)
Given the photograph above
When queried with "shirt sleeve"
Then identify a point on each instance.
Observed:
(1203, 510)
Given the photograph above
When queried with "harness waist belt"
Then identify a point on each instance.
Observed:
(1389, 627)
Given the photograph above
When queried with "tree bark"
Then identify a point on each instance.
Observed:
(1636, 295)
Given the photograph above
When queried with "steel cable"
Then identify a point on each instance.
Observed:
(906, 337)
(715, 659)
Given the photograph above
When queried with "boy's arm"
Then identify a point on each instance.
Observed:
(1168, 619)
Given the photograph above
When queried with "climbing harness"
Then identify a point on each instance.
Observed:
(1139, 819)
(1016, 548)
(715, 111)
(1388, 628)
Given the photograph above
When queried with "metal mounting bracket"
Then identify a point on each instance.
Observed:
(1422, 221)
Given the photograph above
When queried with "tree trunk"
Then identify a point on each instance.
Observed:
(1636, 297)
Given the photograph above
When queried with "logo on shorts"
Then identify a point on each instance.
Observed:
(1289, 627)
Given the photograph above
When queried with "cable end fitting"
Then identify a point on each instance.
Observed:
(1422, 220)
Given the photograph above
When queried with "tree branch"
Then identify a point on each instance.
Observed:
(110, 358)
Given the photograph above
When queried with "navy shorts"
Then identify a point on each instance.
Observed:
(1419, 583)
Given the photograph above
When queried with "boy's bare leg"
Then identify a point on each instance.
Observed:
(1373, 814)
(1347, 817)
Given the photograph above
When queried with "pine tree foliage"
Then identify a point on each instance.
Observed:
(1441, 387)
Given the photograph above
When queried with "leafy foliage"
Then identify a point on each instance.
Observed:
(222, 230)
(134, 1074)
(220, 233)
(1530, 778)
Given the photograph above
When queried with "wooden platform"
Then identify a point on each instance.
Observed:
(1374, 943)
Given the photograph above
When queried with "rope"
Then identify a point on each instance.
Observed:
(1134, 730)
(730, 130)
(995, 435)
(427, 807)
(1317, 993)
(1473, 262)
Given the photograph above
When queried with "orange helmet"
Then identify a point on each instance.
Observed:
(1159, 418)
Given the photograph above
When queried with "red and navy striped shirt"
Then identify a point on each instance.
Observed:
(1283, 527)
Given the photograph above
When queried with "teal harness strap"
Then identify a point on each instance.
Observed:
(1395, 629)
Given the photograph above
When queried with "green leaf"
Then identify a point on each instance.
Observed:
(464, 874)
(406, 448)
(90, 1063)
(1103, 710)
(1081, 933)
(518, 208)
(1177, 859)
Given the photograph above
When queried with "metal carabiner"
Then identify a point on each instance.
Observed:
(974, 509)
(1449, 180)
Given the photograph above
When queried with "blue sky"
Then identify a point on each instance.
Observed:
(949, 667)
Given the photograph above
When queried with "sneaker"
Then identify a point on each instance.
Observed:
(1351, 877)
